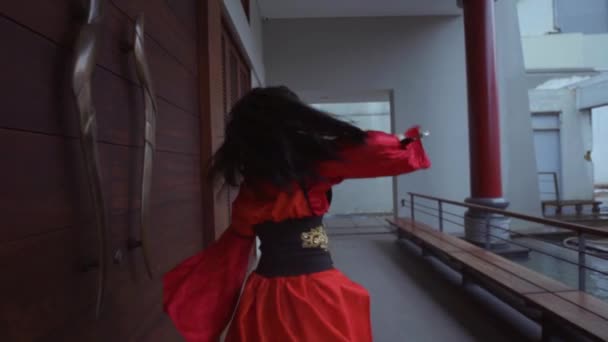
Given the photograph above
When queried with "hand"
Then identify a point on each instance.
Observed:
(407, 141)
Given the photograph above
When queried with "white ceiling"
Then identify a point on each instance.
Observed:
(275, 9)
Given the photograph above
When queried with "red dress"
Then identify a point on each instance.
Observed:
(201, 294)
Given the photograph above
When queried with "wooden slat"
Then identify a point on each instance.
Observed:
(43, 185)
(59, 21)
(172, 81)
(130, 295)
(405, 224)
(41, 285)
(434, 242)
(177, 232)
(120, 111)
(177, 131)
(50, 299)
(534, 277)
(171, 23)
(578, 308)
(34, 68)
(587, 301)
(418, 228)
(59, 25)
(161, 330)
(133, 300)
(452, 246)
(573, 314)
(175, 178)
(186, 14)
(501, 277)
(35, 88)
(47, 230)
(453, 240)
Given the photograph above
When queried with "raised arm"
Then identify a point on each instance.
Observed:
(382, 155)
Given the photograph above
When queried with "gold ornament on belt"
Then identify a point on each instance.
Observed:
(315, 238)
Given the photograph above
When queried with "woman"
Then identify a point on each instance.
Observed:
(285, 156)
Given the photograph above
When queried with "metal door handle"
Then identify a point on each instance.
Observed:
(82, 72)
(150, 111)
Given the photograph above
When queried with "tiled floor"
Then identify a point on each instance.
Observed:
(410, 300)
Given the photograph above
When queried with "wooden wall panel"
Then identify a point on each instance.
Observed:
(118, 102)
(177, 221)
(236, 83)
(47, 231)
(177, 131)
(175, 224)
(42, 287)
(212, 107)
(175, 83)
(174, 30)
(42, 184)
(160, 331)
(30, 64)
(186, 13)
(51, 168)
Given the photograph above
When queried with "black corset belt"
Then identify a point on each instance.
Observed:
(293, 247)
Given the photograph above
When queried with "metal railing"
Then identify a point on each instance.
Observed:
(581, 231)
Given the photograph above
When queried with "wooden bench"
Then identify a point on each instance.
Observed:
(558, 305)
(578, 205)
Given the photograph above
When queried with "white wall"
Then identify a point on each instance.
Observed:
(560, 51)
(600, 145)
(363, 196)
(535, 17)
(566, 51)
(595, 47)
(422, 61)
(520, 180)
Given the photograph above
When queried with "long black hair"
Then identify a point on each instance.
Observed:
(273, 137)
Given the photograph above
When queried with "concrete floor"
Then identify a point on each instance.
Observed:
(411, 301)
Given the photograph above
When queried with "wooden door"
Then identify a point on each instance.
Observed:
(236, 83)
(47, 231)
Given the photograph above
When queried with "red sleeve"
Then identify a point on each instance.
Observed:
(201, 293)
(381, 155)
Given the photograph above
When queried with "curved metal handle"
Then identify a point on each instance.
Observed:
(82, 72)
(150, 110)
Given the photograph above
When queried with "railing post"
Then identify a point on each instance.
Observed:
(440, 208)
(412, 208)
(487, 238)
(582, 270)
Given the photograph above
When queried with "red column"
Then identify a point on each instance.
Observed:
(484, 116)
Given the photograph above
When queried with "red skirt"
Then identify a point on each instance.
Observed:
(324, 306)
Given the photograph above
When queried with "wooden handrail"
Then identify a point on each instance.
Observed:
(579, 228)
